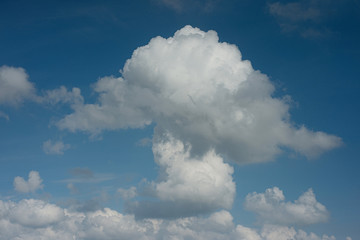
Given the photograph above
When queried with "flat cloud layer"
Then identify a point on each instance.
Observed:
(272, 208)
(203, 93)
(35, 219)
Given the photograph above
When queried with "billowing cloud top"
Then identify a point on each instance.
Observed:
(202, 92)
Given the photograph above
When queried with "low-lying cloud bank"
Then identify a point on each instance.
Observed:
(35, 219)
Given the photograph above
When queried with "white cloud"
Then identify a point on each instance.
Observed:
(56, 148)
(245, 233)
(207, 179)
(274, 232)
(34, 213)
(271, 207)
(202, 92)
(35, 219)
(15, 86)
(33, 183)
(187, 185)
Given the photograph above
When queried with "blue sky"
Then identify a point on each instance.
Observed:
(179, 119)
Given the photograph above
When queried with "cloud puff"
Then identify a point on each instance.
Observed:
(271, 207)
(56, 148)
(33, 183)
(206, 180)
(33, 213)
(202, 92)
(15, 86)
(187, 186)
(35, 219)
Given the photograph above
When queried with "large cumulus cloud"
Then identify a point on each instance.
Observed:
(203, 93)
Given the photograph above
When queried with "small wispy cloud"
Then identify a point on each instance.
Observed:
(4, 115)
(144, 142)
(56, 148)
(85, 175)
(305, 17)
(181, 6)
(127, 194)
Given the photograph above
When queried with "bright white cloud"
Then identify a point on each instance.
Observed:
(271, 207)
(207, 180)
(57, 148)
(35, 219)
(33, 183)
(187, 186)
(15, 86)
(202, 92)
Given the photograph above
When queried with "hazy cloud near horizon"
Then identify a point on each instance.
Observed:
(37, 219)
